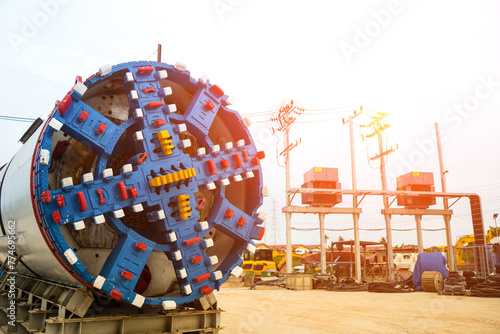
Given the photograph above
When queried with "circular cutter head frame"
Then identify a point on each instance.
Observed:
(146, 185)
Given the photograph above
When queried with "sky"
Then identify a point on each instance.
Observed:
(420, 61)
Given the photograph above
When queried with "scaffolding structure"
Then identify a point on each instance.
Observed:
(475, 212)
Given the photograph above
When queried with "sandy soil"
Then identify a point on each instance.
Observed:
(318, 311)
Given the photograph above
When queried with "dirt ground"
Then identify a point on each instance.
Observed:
(319, 311)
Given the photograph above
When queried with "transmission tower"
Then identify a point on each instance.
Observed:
(274, 221)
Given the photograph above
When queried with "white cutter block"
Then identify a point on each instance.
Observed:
(211, 186)
(251, 248)
(213, 260)
(177, 255)
(202, 226)
(70, 255)
(249, 175)
(134, 95)
(168, 305)
(129, 77)
(79, 225)
(209, 242)
(80, 88)
(201, 151)
(171, 108)
(247, 122)
(162, 74)
(99, 219)
(108, 172)
(118, 213)
(217, 275)
(138, 300)
(203, 79)
(87, 177)
(186, 289)
(99, 282)
(67, 182)
(138, 136)
(229, 145)
(182, 273)
(172, 237)
(166, 91)
(265, 191)
(180, 66)
(237, 271)
(127, 168)
(160, 214)
(224, 181)
(138, 113)
(105, 69)
(227, 100)
(240, 143)
(262, 215)
(215, 148)
(237, 178)
(55, 124)
(180, 128)
(45, 158)
(185, 143)
(137, 207)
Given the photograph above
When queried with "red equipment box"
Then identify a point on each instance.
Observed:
(325, 178)
(416, 181)
(322, 174)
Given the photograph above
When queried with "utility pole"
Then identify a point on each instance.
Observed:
(495, 216)
(288, 215)
(158, 54)
(449, 241)
(285, 120)
(355, 216)
(322, 242)
(378, 129)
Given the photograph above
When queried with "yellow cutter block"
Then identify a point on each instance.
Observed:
(184, 209)
(165, 142)
(172, 177)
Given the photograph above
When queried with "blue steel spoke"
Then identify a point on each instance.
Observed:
(89, 127)
(235, 222)
(124, 266)
(92, 199)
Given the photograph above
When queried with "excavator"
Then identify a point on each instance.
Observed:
(465, 256)
(280, 265)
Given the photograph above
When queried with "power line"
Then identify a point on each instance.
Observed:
(17, 119)
(366, 229)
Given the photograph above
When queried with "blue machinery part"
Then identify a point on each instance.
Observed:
(144, 185)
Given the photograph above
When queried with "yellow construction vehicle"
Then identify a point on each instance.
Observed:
(282, 259)
(464, 256)
(259, 262)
